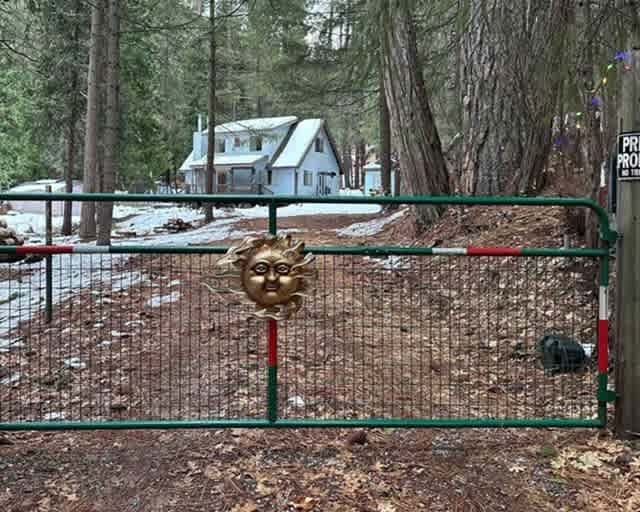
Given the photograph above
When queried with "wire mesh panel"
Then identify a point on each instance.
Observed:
(439, 338)
(132, 338)
(142, 337)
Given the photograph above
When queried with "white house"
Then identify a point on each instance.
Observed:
(274, 155)
(373, 180)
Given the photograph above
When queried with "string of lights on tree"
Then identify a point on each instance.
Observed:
(621, 58)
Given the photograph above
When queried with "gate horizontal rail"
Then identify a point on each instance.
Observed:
(382, 342)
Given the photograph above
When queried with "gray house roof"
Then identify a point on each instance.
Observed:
(255, 125)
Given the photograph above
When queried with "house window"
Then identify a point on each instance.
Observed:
(237, 142)
(222, 178)
(319, 145)
(220, 146)
(308, 178)
(255, 143)
(269, 177)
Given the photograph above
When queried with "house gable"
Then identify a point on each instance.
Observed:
(302, 141)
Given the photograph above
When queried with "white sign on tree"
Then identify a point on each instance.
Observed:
(628, 161)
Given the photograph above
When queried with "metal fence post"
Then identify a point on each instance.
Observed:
(272, 408)
(48, 259)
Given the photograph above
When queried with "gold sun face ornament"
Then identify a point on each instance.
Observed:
(272, 273)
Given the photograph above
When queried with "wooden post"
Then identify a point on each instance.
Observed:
(48, 261)
(627, 422)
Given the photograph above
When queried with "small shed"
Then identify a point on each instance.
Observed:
(373, 180)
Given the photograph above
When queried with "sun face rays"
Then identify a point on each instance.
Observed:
(270, 272)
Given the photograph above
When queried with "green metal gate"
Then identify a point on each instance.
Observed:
(144, 336)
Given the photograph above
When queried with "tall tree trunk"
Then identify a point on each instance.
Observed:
(358, 177)
(385, 142)
(512, 74)
(422, 163)
(112, 121)
(592, 142)
(71, 131)
(347, 163)
(211, 124)
(537, 145)
(490, 148)
(88, 209)
(259, 99)
(70, 170)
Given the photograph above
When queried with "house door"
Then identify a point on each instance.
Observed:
(221, 180)
(324, 184)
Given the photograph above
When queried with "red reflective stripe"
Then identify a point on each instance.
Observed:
(273, 343)
(45, 249)
(494, 251)
(603, 346)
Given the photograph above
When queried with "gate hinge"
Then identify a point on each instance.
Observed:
(606, 395)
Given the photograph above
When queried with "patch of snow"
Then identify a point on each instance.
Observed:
(132, 323)
(351, 192)
(11, 379)
(9, 344)
(53, 416)
(588, 349)
(297, 402)
(75, 363)
(148, 218)
(154, 302)
(295, 210)
(371, 227)
(33, 223)
(39, 186)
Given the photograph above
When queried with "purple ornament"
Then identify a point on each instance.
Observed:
(560, 141)
(622, 56)
(596, 102)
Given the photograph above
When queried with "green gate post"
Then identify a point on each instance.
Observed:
(272, 399)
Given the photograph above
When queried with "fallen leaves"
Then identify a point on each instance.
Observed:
(305, 504)
(212, 473)
(247, 507)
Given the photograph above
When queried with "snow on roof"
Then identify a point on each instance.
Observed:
(230, 160)
(260, 124)
(186, 165)
(372, 167)
(299, 143)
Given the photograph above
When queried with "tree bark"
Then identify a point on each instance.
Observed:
(592, 143)
(71, 134)
(490, 149)
(211, 125)
(422, 163)
(512, 76)
(347, 163)
(537, 144)
(70, 170)
(358, 177)
(112, 122)
(88, 209)
(385, 142)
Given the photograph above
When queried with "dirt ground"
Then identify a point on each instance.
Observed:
(378, 470)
